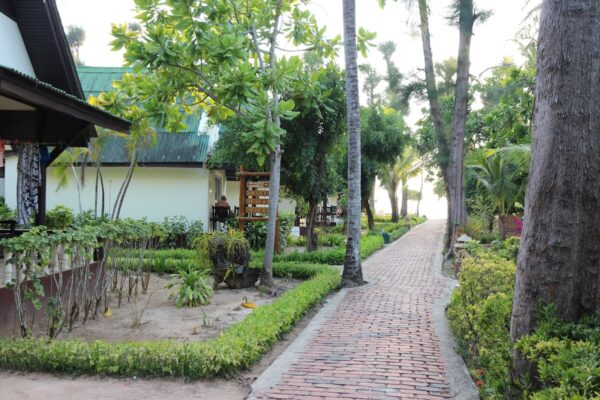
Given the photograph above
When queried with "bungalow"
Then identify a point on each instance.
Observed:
(172, 177)
(42, 105)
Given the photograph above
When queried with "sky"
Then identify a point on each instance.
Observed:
(492, 41)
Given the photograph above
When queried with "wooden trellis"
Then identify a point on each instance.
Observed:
(254, 200)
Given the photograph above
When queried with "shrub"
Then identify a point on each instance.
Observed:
(567, 356)
(478, 229)
(59, 218)
(331, 239)
(6, 212)
(237, 348)
(180, 232)
(479, 315)
(192, 288)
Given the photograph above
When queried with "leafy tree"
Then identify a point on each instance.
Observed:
(407, 165)
(76, 38)
(222, 56)
(383, 138)
(313, 140)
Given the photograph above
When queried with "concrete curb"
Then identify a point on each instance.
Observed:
(459, 379)
(272, 375)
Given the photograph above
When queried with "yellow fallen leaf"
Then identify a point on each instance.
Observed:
(108, 312)
(248, 304)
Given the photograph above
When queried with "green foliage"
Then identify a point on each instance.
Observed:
(567, 357)
(60, 217)
(180, 232)
(192, 288)
(479, 315)
(218, 247)
(236, 349)
(5, 211)
(368, 245)
(478, 228)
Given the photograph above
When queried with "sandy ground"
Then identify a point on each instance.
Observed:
(162, 320)
(37, 386)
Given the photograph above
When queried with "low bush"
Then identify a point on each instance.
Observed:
(567, 355)
(192, 288)
(479, 229)
(368, 245)
(237, 348)
(479, 315)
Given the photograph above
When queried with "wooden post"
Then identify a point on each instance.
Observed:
(242, 206)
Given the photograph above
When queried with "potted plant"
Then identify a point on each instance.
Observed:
(228, 254)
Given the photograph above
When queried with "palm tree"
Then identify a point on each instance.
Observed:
(67, 161)
(435, 109)
(495, 173)
(352, 274)
(407, 166)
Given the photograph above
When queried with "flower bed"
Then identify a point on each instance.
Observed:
(234, 350)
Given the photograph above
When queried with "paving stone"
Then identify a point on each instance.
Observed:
(380, 342)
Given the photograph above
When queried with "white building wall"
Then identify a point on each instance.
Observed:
(154, 192)
(13, 53)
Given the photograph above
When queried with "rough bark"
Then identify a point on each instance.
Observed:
(404, 209)
(352, 274)
(369, 212)
(456, 181)
(311, 222)
(443, 150)
(420, 195)
(559, 258)
(392, 192)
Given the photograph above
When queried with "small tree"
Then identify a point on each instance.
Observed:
(222, 56)
(76, 38)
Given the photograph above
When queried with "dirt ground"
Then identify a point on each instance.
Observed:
(36, 386)
(162, 320)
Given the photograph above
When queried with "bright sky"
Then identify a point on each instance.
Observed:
(492, 41)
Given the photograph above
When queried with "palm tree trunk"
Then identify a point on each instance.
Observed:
(404, 209)
(352, 274)
(443, 153)
(394, 201)
(458, 216)
(558, 258)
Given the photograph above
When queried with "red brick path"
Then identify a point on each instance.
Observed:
(380, 342)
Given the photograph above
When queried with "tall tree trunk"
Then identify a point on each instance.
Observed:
(443, 153)
(456, 182)
(311, 222)
(393, 193)
(266, 275)
(123, 189)
(420, 195)
(404, 209)
(369, 212)
(352, 274)
(559, 257)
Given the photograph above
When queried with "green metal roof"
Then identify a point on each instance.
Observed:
(187, 147)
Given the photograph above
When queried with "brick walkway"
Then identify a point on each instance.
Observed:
(380, 342)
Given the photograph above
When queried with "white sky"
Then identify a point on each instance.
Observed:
(492, 41)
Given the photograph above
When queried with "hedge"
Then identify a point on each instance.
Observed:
(164, 265)
(235, 349)
(566, 355)
(368, 245)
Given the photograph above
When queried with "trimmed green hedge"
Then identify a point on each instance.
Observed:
(566, 355)
(237, 348)
(166, 265)
(368, 245)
